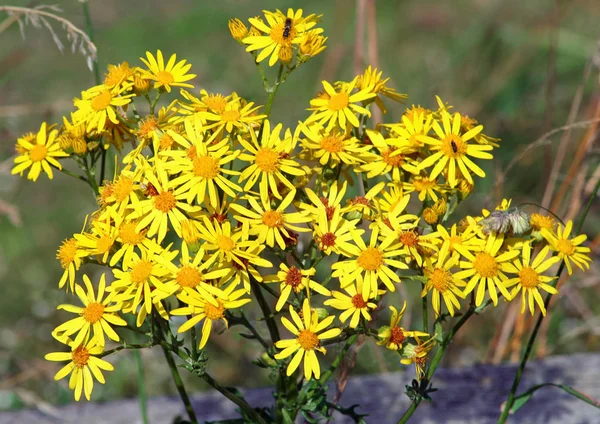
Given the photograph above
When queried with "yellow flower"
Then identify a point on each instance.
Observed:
(99, 104)
(97, 315)
(309, 332)
(237, 28)
(208, 308)
(70, 260)
(335, 145)
(203, 172)
(99, 241)
(235, 115)
(228, 246)
(426, 187)
(334, 234)
(394, 335)
(169, 75)
(292, 278)
(369, 264)
(410, 242)
(529, 280)
(452, 149)
(270, 225)
(129, 239)
(569, 250)
(338, 108)
(415, 122)
(312, 44)
(161, 207)
(279, 31)
(355, 304)
(38, 154)
(417, 354)
(443, 283)
(241, 273)
(458, 243)
(487, 268)
(118, 74)
(390, 158)
(539, 222)
(83, 364)
(268, 161)
(371, 80)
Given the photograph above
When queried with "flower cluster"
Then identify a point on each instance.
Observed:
(212, 202)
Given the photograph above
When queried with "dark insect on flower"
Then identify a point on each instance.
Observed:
(149, 190)
(454, 146)
(287, 28)
(510, 221)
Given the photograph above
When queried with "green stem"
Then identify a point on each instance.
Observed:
(425, 308)
(90, 32)
(74, 175)
(179, 383)
(272, 92)
(528, 349)
(194, 342)
(271, 324)
(153, 105)
(256, 418)
(435, 362)
(141, 386)
(338, 360)
(127, 346)
(251, 328)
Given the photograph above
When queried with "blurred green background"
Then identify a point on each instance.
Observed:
(513, 65)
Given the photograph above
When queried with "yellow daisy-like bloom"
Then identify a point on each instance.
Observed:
(270, 225)
(292, 278)
(410, 242)
(426, 187)
(389, 160)
(539, 222)
(367, 204)
(97, 315)
(394, 199)
(355, 304)
(138, 279)
(441, 282)
(414, 124)
(335, 145)
(571, 250)
(334, 235)
(529, 279)
(129, 239)
(99, 104)
(338, 108)
(170, 75)
(312, 44)
(280, 31)
(162, 207)
(203, 171)
(191, 274)
(234, 116)
(328, 203)
(487, 269)
(371, 80)
(69, 256)
(393, 336)
(458, 243)
(118, 74)
(268, 161)
(237, 28)
(370, 264)
(82, 366)
(38, 154)
(417, 354)
(99, 241)
(309, 332)
(452, 149)
(208, 308)
(241, 274)
(227, 246)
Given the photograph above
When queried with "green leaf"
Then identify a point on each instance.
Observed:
(523, 398)
(286, 417)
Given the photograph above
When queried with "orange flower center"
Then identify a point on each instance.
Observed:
(485, 265)
(454, 240)
(165, 201)
(370, 259)
(453, 146)
(101, 101)
(214, 312)
(328, 240)
(273, 219)
(206, 167)
(308, 340)
(166, 141)
(38, 153)
(332, 144)
(565, 246)
(141, 272)
(188, 277)
(440, 279)
(225, 243)
(147, 126)
(122, 188)
(104, 244)
(66, 252)
(93, 312)
(165, 77)
(409, 238)
(397, 336)
(293, 277)
(231, 115)
(539, 221)
(358, 301)
(80, 356)
(277, 34)
(422, 184)
(395, 160)
(338, 101)
(216, 102)
(128, 234)
(529, 278)
(267, 160)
